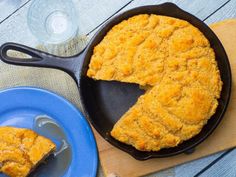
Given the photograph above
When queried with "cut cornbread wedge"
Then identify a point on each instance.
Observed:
(165, 116)
(21, 150)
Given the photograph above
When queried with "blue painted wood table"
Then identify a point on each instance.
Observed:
(92, 14)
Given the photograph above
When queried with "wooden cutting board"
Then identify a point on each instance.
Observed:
(115, 161)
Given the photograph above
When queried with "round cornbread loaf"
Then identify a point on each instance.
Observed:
(175, 62)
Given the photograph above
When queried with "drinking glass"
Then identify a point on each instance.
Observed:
(53, 21)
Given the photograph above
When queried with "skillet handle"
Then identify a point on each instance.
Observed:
(39, 58)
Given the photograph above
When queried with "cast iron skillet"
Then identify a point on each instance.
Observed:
(104, 102)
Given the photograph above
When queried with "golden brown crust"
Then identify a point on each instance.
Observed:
(21, 150)
(175, 64)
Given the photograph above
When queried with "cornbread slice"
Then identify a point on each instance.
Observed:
(21, 150)
(174, 61)
(165, 116)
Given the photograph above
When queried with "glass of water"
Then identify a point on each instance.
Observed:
(53, 21)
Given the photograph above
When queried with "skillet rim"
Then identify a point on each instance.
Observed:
(118, 18)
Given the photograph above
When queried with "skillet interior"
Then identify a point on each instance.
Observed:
(105, 102)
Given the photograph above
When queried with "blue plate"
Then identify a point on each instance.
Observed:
(21, 106)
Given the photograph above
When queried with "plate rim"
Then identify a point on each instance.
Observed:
(68, 103)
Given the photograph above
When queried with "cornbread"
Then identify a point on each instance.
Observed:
(174, 61)
(21, 150)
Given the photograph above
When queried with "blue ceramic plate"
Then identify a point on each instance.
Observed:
(56, 118)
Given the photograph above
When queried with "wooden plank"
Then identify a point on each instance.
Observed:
(195, 7)
(90, 14)
(93, 12)
(187, 169)
(15, 29)
(225, 167)
(10, 6)
(192, 168)
(228, 11)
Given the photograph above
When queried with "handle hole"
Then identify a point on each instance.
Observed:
(17, 54)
